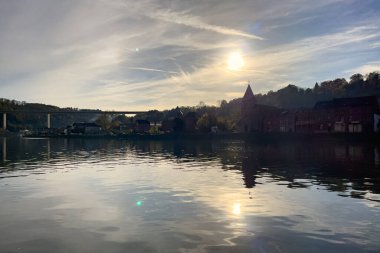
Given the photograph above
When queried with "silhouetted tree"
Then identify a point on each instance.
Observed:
(225, 115)
(178, 125)
(207, 121)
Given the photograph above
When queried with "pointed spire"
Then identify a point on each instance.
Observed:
(248, 93)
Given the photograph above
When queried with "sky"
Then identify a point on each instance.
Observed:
(157, 54)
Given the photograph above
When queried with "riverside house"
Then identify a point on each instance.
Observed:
(340, 115)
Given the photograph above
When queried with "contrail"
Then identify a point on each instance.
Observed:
(170, 16)
(155, 70)
(195, 22)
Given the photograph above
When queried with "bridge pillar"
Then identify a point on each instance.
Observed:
(4, 120)
(48, 120)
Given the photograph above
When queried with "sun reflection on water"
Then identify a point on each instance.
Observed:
(236, 209)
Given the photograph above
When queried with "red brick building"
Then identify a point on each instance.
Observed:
(340, 115)
(349, 115)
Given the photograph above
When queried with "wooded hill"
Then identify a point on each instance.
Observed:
(19, 121)
(225, 115)
(295, 97)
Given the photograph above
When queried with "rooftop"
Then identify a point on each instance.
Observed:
(248, 93)
(342, 102)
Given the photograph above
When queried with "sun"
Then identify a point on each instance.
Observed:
(235, 61)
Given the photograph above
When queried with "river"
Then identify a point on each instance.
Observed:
(94, 195)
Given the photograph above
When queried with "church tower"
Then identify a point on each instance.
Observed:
(248, 95)
(248, 103)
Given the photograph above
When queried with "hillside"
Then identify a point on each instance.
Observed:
(18, 121)
(228, 113)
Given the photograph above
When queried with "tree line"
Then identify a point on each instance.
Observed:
(20, 121)
(225, 115)
(294, 97)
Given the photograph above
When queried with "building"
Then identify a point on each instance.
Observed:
(256, 117)
(126, 128)
(281, 121)
(85, 128)
(340, 115)
(142, 126)
(348, 115)
(304, 121)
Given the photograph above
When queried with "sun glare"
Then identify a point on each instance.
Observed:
(236, 209)
(235, 61)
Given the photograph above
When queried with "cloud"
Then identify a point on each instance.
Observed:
(375, 45)
(366, 68)
(83, 54)
(312, 56)
(307, 48)
(196, 22)
(154, 70)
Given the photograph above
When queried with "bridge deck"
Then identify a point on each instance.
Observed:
(76, 112)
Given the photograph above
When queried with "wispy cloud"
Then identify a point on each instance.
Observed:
(83, 54)
(196, 22)
(365, 69)
(306, 48)
(154, 70)
(375, 45)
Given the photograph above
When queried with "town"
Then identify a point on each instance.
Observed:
(332, 107)
(339, 115)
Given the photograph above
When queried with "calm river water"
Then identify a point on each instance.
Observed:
(79, 195)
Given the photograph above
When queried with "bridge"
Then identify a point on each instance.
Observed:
(49, 112)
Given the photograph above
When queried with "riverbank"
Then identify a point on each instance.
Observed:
(8, 134)
(274, 137)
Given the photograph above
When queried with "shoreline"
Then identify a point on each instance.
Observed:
(258, 136)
